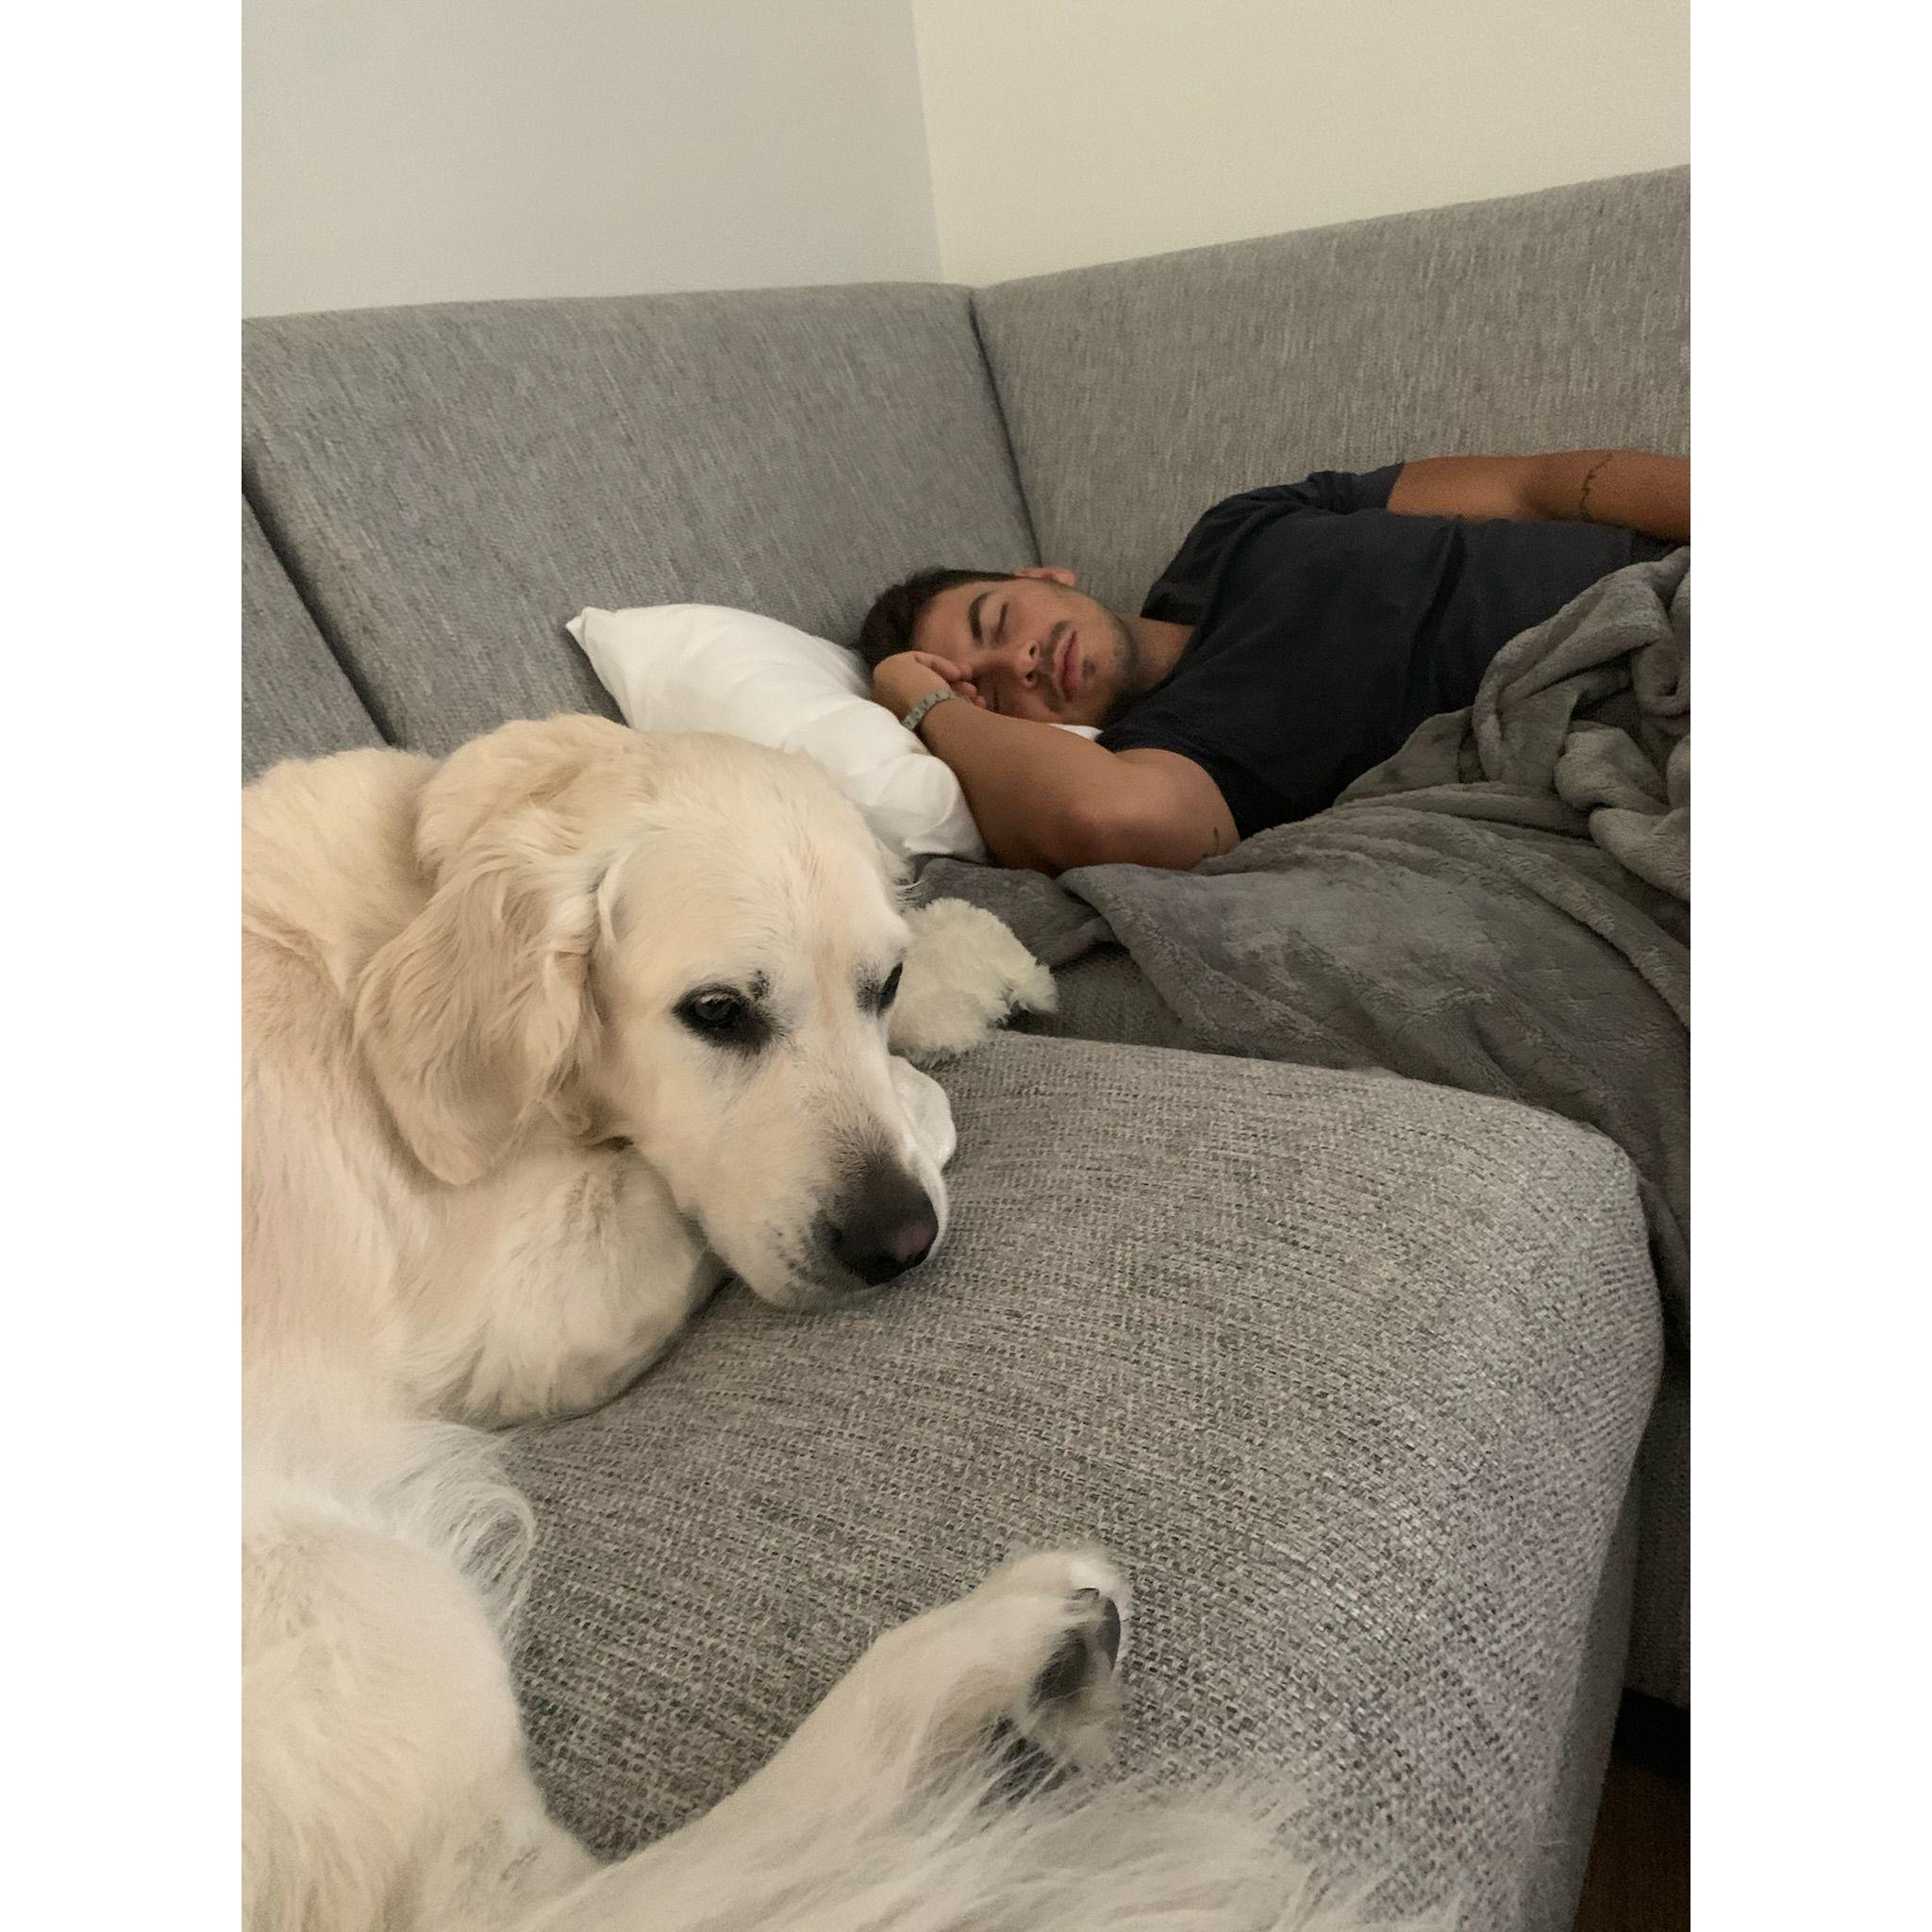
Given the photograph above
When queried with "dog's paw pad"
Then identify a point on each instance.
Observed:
(1110, 1630)
(1090, 1649)
(1073, 1607)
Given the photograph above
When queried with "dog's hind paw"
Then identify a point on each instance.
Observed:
(1027, 1661)
(1067, 1610)
(964, 975)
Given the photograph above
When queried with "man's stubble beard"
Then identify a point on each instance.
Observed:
(1130, 671)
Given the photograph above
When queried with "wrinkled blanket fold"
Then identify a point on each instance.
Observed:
(1503, 905)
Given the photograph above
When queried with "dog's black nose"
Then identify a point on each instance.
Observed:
(884, 1225)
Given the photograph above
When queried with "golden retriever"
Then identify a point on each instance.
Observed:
(539, 1040)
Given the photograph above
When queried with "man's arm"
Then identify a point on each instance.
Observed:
(1047, 800)
(1626, 487)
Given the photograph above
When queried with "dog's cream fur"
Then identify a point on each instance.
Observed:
(490, 1173)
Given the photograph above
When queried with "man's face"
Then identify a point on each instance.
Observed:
(1033, 646)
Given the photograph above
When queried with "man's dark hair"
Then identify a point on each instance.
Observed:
(888, 627)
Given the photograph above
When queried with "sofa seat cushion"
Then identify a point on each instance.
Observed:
(1349, 1370)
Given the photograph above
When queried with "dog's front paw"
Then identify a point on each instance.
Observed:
(965, 974)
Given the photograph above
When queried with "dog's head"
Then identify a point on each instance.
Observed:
(687, 942)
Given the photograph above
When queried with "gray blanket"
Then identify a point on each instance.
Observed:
(1503, 905)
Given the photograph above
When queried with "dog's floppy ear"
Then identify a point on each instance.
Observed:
(470, 1018)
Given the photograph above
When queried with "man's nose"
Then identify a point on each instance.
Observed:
(1021, 661)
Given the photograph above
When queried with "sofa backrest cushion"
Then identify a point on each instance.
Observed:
(1138, 394)
(449, 484)
(295, 700)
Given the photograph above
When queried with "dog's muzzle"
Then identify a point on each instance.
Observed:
(884, 1226)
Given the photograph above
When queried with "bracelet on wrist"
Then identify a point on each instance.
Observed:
(916, 716)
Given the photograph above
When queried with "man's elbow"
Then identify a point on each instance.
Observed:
(1102, 831)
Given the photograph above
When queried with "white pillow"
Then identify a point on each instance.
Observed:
(700, 667)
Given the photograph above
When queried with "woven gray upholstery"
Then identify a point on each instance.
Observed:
(1556, 1881)
(1350, 1371)
(450, 484)
(296, 702)
(1104, 995)
(1138, 394)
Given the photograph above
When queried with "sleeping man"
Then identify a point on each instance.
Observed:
(1298, 637)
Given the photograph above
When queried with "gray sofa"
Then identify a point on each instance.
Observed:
(1359, 1375)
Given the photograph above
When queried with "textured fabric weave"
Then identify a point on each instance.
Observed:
(451, 484)
(1350, 1371)
(1138, 394)
(1104, 995)
(296, 702)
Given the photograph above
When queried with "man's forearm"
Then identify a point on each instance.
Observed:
(1627, 487)
(1024, 782)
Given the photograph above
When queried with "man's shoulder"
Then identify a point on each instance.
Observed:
(1329, 492)
(1179, 594)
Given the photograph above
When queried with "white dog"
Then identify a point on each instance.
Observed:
(539, 1042)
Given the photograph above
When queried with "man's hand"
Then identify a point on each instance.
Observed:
(899, 682)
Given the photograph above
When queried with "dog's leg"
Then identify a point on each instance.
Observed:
(965, 974)
(1032, 1651)
(876, 1813)
(384, 1777)
(928, 1112)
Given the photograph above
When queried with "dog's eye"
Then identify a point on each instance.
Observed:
(723, 1017)
(882, 999)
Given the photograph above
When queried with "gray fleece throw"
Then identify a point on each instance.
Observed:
(1503, 906)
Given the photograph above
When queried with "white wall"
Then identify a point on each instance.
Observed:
(433, 150)
(1065, 132)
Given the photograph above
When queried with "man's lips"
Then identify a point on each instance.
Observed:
(1066, 666)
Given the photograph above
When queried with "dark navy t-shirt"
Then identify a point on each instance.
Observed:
(1326, 629)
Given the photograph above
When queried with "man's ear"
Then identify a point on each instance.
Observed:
(1054, 573)
(473, 1015)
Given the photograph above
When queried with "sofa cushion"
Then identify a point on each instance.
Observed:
(449, 484)
(295, 700)
(1138, 394)
(1350, 1371)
